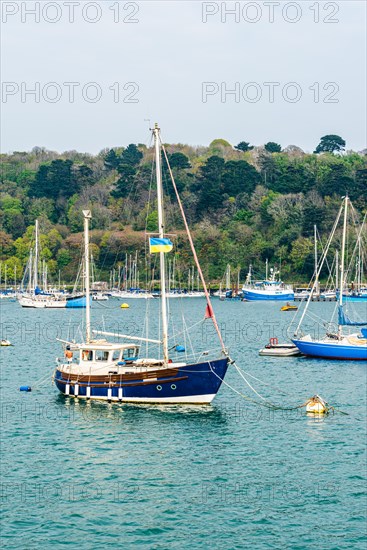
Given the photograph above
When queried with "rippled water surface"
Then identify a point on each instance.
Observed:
(232, 475)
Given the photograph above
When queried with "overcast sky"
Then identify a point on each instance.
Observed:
(314, 67)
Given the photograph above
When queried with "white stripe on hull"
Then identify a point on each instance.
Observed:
(184, 400)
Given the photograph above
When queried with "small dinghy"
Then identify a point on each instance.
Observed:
(275, 349)
(5, 343)
(317, 405)
(288, 307)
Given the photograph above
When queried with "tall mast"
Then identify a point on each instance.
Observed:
(336, 270)
(359, 277)
(161, 236)
(36, 253)
(317, 289)
(266, 269)
(30, 268)
(343, 257)
(87, 216)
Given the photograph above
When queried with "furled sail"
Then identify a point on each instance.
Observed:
(344, 320)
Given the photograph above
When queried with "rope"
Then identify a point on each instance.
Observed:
(266, 403)
(42, 381)
(209, 306)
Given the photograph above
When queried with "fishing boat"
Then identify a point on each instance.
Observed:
(99, 369)
(270, 288)
(335, 344)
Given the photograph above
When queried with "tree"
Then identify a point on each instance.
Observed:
(239, 177)
(111, 160)
(84, 175)
(131, 155)
(54, 180)
(330, 143)
(244, 146)
(125, 182)
(209, 184)
(337, 179)
(273, 147)
(179, 160)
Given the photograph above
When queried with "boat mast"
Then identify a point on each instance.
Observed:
(36, 252)
(317, 287)
(87, 216)
(359, 279)
(161, 236)
(30, 269)
(343, 258)
(336, 270)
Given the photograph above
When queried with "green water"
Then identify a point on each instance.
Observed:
(232, 475)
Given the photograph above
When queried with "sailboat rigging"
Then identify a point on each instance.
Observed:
(115, 371)
(335, 345)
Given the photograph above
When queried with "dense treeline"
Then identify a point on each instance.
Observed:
(244, 204)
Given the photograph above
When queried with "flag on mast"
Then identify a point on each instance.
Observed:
(159, 245)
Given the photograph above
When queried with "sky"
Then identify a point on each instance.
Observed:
(103, 72)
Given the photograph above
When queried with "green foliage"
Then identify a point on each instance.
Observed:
(179, 161)
(63, 258)
(152, 221)
(330, 143)
(13, 269)
(125, 182)
(272, 147)
(40, 207)
(243, 205)
(302, 255)
(244, 146)
(244, 216)
(239, 177)
(210, 183)
(54, 180)
(111, 160)
(131, 155)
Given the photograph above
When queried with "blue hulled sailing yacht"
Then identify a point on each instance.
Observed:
(116, 372)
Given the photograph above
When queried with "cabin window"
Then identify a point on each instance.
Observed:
(87, 355)
(116, 355)
(101, 355)
(130, 352)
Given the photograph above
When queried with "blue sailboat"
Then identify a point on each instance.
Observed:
(339, 345)
(117, 372)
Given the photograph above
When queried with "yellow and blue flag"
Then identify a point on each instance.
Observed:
(159, 245)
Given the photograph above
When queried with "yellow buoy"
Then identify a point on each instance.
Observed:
(316, 405)
(124, 306)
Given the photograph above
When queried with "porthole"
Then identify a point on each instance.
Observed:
(173, 386)
(159, 388)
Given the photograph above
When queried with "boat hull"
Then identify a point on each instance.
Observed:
(332, 350)
(38, 303)
(253, 295)
(79, 301)
(189, 384)
(280, 351)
